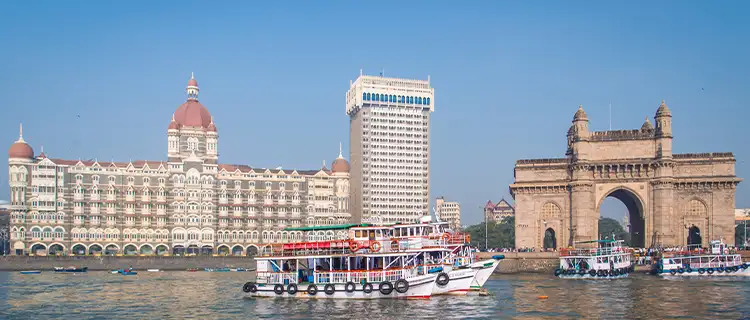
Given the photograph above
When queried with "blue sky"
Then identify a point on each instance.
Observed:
(508, 77)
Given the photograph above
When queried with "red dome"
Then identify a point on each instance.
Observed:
(192, 114)
(173, 125)
(340, 165)
(20, 150)
(192, 83)
(211, 127)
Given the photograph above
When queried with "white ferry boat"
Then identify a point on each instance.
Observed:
(610, 260)
(695, 262)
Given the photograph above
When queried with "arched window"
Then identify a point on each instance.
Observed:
(428, 101)
(696, 208)
(551, 211)
(364, 96)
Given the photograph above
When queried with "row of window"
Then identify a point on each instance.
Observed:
(378, 97)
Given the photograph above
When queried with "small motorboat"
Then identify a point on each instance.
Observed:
(71, 269)
(217, 269)
(192, 270)
(153, 270)
(114, 271)
(126, 272)
(31, 272)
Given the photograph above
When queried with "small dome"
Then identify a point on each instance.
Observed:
(340, 165)
(647, 125)
(21, 150)
(192, 82)
(192, 114)
(211, 127)
(663, 110)
(580, 114)
(173, 124)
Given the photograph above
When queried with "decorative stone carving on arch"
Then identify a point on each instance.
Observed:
(696, 207)
(550, 211)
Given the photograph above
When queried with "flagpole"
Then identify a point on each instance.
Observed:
(610, 115)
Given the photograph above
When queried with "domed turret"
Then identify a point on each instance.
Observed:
(20, 149)
(647, 125)
(340, 164)
(663, 110)
(192, 113)
(211, 126)
(580, 114)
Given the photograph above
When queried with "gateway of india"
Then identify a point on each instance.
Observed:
(186, 203)
(672, 199)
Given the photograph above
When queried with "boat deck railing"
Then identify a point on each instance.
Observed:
(593, 252)
(339, 276)
(339, 247)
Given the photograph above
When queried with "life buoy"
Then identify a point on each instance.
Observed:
(442, 279)
(312, 289)
(673, 272)
(721, 269)
(291, 289)
(250, 287)
(402, 286)
(726, 251)
(710, 270)
(611, 273)
(329, 289)
(446, 237)
(385, 288)
(375, 247)
(468, 238)
(278, 289)
(353, 246)
(558, 272)
(680, 270)
(592, 272)
(367, 287)
(701, 270)
(689, 270)
(581, 272)
(349, 287)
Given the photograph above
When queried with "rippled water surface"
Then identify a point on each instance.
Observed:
(203, 295)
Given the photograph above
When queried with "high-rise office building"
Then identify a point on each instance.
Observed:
(389, 148)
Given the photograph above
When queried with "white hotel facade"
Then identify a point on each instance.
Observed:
(389, 148)
(188, 202)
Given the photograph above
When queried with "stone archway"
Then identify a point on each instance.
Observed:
(636, 227)
(597, 164)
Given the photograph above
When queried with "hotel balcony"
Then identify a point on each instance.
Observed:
(78, 210)
(78, 197)
(223, 214)
(161, 211)
(129, 210)
(145, 199)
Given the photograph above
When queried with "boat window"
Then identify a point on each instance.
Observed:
(358, 234)
(379, 234)
(372, 234)
(397, 232)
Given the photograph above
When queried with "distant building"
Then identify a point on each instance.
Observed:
(448, 211)
(498, 211)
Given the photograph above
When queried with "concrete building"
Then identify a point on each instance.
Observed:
(672, 199)
(188, 202)
(496, 212)
(448, 211)
(389, 148)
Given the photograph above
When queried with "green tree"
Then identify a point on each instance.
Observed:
(609, 226)
(500, 234)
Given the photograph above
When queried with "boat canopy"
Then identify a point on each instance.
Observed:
(331, 227)
(600, 241)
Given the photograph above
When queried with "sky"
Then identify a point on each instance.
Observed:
(100, 80)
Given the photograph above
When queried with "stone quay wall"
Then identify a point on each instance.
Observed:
(524, 262)
(98, 263)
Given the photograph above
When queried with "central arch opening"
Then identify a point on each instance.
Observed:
(550, 241)
(694, 236)
(622, 211)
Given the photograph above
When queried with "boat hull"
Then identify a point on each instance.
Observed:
(741, 272)
(419, 288)
(590, 277)
(71, 270)
(459, 283)
(32, 272)
(484, 272)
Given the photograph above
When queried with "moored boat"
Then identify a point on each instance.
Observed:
(31, 272)
(153, 270)
(71, 269)
(485, 269)
(695, 262)
(192, 270)
(611, 259)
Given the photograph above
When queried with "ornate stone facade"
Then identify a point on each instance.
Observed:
(498, 211)
(670, 197)
(186, 203)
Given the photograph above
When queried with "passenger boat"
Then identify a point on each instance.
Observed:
(695, 262)
(71, 269)
(31, 272)
(217, 269)
(125, 272)
(485, 269)
(361, 267)
(611, 259)
(192, 270)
